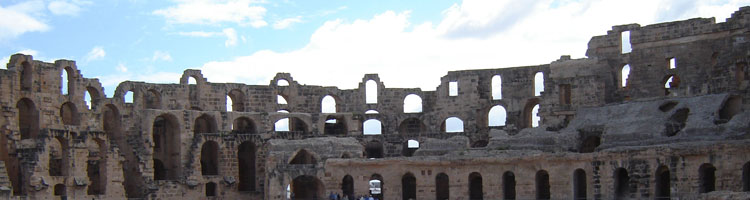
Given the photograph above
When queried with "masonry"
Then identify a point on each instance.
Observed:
(652, 112)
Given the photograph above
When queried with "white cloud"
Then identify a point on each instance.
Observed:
(161, 55)
(230, 33)
(470, 35)
(199, 34)
(285, 23)
(231, 37)
(63, 8)
(19, 18)
(121, 68)
(242, 12)
(95, 53)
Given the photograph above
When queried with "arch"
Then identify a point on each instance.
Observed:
(410, 146)
(28, 118)
(372, 127)
(167, 147)
(204, 124)
(497, 116)
(60, 190)
(281, 125)
(90, 97)
(111, 122)
(236, 101)
(307, 187)
(453, 125)
(412, 104)
(411, 126)
(707, 177)
(408, 186)
(372, 112)
(475, 186)
(624, 75)
(243, 125)
(374, 149)
(509, 185)
(590, 143)
(746, 177)
(538, 83)
(739, 71)
(281, 100)
(442, 186)
(676, 122)
(328, 104)
(347, 186)
(153, 99)
(26, 77)
(128, 97)
(210, 189)
(622, 183)
(58, 157)
(303, 157)
(282, 82)
(669, 82)
(377, 188)
(497, 87)
(246, 166)
(542, 185)
(530, 114)
(662, 179)
(96, 167)
(66, 85)
(69, 114)
(335, 125)
(210, 158)
(371, 92)
(579, 184)
(192, 80)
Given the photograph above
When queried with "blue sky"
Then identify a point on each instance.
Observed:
(335, 42)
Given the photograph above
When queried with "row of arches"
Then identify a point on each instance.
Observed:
(28, 117)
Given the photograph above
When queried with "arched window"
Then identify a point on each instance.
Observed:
(376, 186)
(372, 127)
(442, 186)
(328, 104)
(662, 189)
(128, 97)
(246, 166)
(87, 99)
(538, 83)
(282, 82)
(229, 103)
(624, 74)
(192, 80)
(707, 175)
(410, 147)
(371, 92)
(412, 104)
(542, 185)
(236, 101)
(210, 158)
(509, 185)
(622, 183)
(65, 81)
(408, 186)
(282, 124)
(497, 116)
(671, 81)
(535, 116)
(475, 186)
(69, 114)
(497, 87)
(204, 124)
(411, 126)
(335, 125)
(579, 184)
(281, 100)
(453, 125)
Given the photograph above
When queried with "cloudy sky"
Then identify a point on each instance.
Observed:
(333, 42)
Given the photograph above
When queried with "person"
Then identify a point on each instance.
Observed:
(332, 196)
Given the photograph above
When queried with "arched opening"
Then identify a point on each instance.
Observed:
(153, 99)
(497, 85)
(69, 114)
(671, 81)
(442, 187)
(166, 149)
(26, 76)
(676, 122)
(210, 158)
(622, 183)
(411, 126)
(328, 104)
(243, 125)
(538, 83)
(746, 177)
(58, 157)
(282, 82)
(410, 147)
(409, 187)
(662, 189)
(204, 124)
(303, 157)
(96, 167)
(531, 114)
(579, 184)
(509, 186)
(453, 125)
(624, 75)
(371, 112)
(371, 92)
(376, 186)
(475, 186)
(192, 80)
(335, 125)
(307, 187)
(707, 176)
(497, 116)
(128, 97)
(412, 104)
(542, 185)
(59, 191)
(90, 97)
(347, 186)
(731, 107)
(535, 116)
(281, 100)
(372, 127)
(625, 42)
(28, 119)
(374, 149)
(236, 101)
(111, 122)
(589, 144)
(282, 124)
(246, 166)
(210, 189)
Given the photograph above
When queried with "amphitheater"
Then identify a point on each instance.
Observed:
(652, 112)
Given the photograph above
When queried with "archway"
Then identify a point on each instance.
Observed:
(662, 179)
(475, 186)
(303, 157)
(307, 187)
(204, 124)
(347, 186)
(246, 162)
(442, 187)
(509, 185)
(243, 125)
(335, 125)
(579, 184)
(707, 176)
(542, 185)
(167, 147)
(69, 114)
(210, 158)
(622, 183)
(28, 118)
(409, 187)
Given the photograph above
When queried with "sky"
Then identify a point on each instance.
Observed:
(410, 44)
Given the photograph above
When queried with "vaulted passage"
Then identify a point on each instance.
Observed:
(542, 185)
(579, 184)
(347, 186)
(509, 185)
(166, 138)
(303, 157)
(475, 186)
(243, 125)
(210, 158)
(662, 180)
(442, 187)
(707, 176)
(307, 187)
(622, 183)
(409, 187)
(246, 162)
(28, 118)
